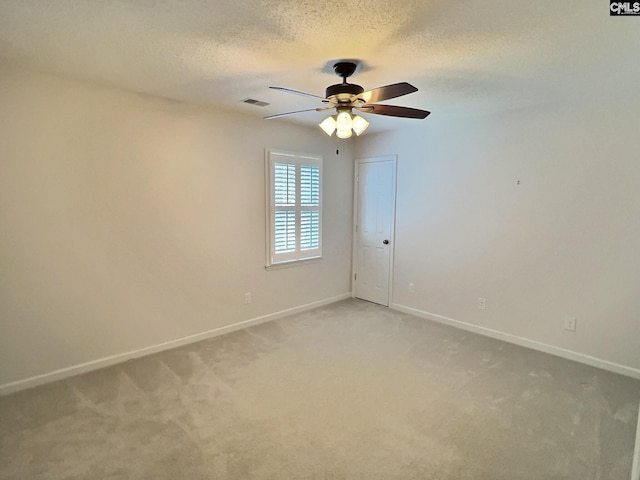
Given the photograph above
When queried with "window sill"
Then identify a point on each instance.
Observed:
(293, 263)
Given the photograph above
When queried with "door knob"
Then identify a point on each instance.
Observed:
(386, 242)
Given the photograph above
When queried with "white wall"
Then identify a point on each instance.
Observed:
(128, 221)
(565, 242)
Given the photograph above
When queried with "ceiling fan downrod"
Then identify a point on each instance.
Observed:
(344, 70)
(343, 92)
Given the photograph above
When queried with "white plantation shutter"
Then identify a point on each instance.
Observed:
(294, 208)
(284, 186)
(309, 230)
(309, 185)
(285, 231)
(309, 207)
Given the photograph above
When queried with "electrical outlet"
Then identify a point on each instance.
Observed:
(570, 323)
(482, 303)
(247, 297)
(412, 288)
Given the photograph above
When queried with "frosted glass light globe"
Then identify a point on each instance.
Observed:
(343, 133)
(344, 121)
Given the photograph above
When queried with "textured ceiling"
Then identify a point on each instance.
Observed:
(464, 56)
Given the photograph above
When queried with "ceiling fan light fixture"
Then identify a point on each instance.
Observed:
(344, 124)
(359, 124)
(328, 125)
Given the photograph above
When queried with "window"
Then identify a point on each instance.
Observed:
(294, 206)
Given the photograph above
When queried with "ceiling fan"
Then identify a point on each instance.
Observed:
(345, 97)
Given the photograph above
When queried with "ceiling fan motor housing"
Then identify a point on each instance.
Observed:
(343, 89)
(344, 92)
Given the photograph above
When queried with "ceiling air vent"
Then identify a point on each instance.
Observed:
(253, 101)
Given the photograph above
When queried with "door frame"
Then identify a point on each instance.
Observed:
(392, 235)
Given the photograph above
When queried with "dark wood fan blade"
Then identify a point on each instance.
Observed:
(296, 92)
(393, 111)
(389, 91)
(297, 111)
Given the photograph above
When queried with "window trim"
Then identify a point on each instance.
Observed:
(273, 156)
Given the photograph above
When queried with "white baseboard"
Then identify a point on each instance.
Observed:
(524, 342)
(67, 372)
(635, 469)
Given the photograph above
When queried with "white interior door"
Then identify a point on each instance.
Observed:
(375, 218)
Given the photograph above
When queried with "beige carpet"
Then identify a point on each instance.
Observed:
(348, 391)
